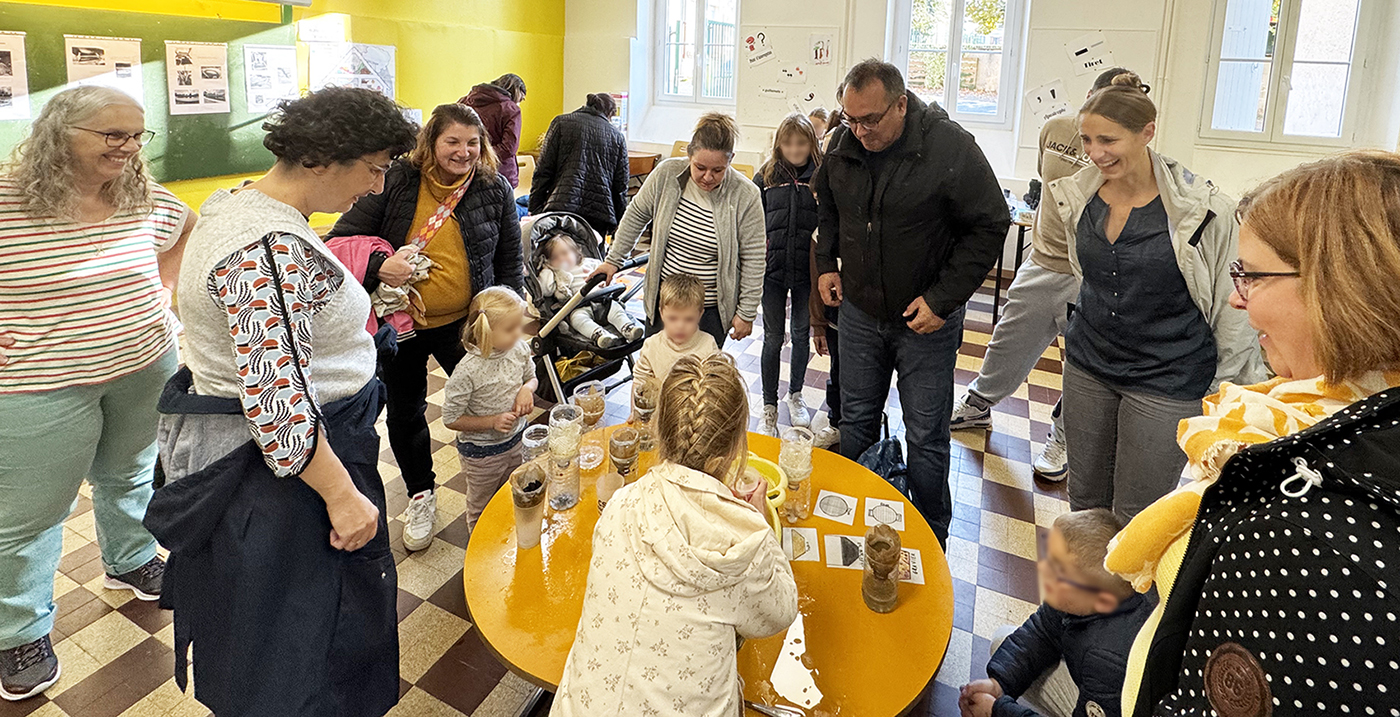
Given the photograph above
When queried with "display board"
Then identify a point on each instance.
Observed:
(784, 68)
(185, 147)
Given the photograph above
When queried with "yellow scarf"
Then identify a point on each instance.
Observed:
(1234, 418)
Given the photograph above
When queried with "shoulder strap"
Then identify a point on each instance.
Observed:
(444, 210)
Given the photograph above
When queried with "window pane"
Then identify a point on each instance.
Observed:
(679, 57)
(1315, 102)
(928, 49)
(979, 73)
(1241, 94)
(721, 17)
(1246, 59)
(1326, 29)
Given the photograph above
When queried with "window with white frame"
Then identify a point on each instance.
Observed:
(698, 50)
(964, 54)
(1282, 70)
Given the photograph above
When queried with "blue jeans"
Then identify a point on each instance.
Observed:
(871, 350)
(49, 442)
(775, 311)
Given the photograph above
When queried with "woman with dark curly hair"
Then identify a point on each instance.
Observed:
(91, 248)
(448, 202)
(280, 570)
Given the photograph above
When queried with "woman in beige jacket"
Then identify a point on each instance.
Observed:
(681, 568)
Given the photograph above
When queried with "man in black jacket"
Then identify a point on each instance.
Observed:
(911, 208)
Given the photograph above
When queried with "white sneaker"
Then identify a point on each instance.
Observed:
(632, 331)
(769, 426)
(969, 414)
(829, 438)
(1051, 465)
(418, 521)
(797, 410)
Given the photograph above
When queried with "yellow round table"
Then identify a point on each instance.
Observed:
(839, 657)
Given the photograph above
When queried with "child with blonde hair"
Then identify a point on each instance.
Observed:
(681, 304)
(490, 396)
(681, 567)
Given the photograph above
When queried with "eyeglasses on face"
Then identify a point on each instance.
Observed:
(375, 169)
(1244, 279)
(868, 122)
(118, 139)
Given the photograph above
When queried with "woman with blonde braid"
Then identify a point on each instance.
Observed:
(681, 567)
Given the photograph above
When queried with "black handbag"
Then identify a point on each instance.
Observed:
(886, 459)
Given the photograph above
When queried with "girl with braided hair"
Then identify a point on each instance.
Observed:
(682, 569)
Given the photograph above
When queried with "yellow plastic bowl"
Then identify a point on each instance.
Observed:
(777, 487)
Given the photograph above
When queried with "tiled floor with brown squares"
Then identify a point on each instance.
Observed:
(117, 652)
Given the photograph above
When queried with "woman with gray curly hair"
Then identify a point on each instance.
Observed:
(92, 248)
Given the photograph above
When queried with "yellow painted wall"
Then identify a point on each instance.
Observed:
(444, 47)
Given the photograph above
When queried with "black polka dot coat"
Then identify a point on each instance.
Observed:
(1288, 598)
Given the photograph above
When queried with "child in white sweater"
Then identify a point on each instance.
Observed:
(564, 272)
(681, 567)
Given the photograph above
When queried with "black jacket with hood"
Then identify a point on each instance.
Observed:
(583, 169)
(790, 214)
(931, 224)
(486, 213)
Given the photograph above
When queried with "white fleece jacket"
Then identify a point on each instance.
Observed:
(681, 568)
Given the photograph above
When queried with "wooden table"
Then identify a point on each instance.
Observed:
(526, 605)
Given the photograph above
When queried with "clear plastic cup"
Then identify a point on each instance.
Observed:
(565, 430)
(563, 484)
(645, 393)
(527, 490)
(592, 397)
(622, 449)
(534, 442)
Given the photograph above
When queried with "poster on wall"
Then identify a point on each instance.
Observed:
(197, 75)
(269, 76)
(792, 74)
(351, 64)
(820, 49)
(757, 49)
(14, 77)
(108, 61)
(805, 101)
(1089, 53)
(1047, 101)
(619, 120)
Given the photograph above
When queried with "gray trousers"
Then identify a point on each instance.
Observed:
(1034, 316)
(1054, 693)
(1122, 445)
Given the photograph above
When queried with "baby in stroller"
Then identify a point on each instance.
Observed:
(562, 271)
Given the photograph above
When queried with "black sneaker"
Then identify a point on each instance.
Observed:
(27, 670)
(144, 581)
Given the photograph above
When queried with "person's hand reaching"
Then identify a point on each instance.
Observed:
(505, 422)
(524, 401)
(977, 697)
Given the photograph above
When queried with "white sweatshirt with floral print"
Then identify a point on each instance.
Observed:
(681, 569)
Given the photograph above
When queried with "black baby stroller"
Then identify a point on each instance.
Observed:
(557, 340)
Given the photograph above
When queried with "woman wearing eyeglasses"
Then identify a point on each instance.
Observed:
(273, 508)
(91, 251)
(1152, 331)
(1276, 564)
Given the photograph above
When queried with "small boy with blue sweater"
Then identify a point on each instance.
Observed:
(1069, 659)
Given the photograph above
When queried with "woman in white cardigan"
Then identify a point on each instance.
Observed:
(681, 567)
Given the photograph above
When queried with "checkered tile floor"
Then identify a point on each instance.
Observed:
(117, 652)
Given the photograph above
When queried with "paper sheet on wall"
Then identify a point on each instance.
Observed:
(351, 64)
(792, 74)
(197, 76)
(820, 49)
(1089, 53)
(772, 92)
(14, 77)
(269, 75)
(805, 101)
(757, 50)
(1047, 101)
(107, 61)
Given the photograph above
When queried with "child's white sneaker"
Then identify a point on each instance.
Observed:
(418, 521)
(607, 339)
(769, 426)
(632, 331)
(797, 410)
(829, 438)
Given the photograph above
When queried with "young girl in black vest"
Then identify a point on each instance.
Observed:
(790, 211)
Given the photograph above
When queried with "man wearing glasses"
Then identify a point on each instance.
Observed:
(911, 208)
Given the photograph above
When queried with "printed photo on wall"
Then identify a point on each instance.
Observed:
(197, 74)
(107, 61)
(14, 79)
(270, 76)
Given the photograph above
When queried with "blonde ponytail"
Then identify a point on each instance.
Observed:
(704, 414)
(496, 303)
